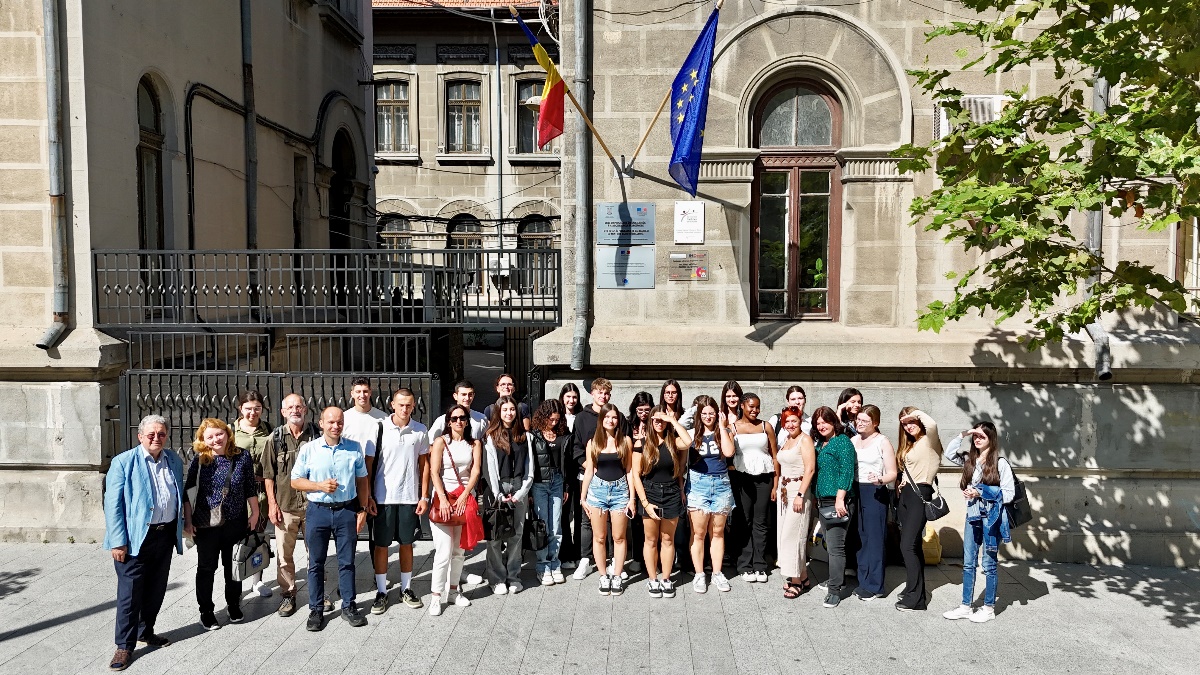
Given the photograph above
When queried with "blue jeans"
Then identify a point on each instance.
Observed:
(709, 493)
(972, 543)
(548, 505)
(872, 533)
(608, 495)
(320, 524)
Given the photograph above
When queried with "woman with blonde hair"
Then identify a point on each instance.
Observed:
(918, 459)
(659, 467)
(607, 463)
(219, 486)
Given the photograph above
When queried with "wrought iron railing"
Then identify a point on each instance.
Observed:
(366, 287)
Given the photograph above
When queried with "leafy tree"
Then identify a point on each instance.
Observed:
(1012, 188)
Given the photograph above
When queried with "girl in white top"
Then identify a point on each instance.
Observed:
(462, 470)
(876, 473)
(755, 482)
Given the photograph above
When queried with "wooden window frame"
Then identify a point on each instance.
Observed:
(797, 159)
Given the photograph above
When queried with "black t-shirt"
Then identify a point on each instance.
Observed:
(664, 469)
(609, 467)
(512, 464)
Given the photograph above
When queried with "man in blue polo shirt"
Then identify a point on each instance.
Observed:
(330, 470)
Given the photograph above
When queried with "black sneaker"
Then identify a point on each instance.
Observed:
(618, 585)
(381, 603)
(831, 600)
(668, 588)
(288, 606)
(605, 584)
(154, 640)
(353, 618)
(235, 615)
(409, 598)
(905, 608)
(653, 588)
(209, 621)
(316, 621)
(864, 595)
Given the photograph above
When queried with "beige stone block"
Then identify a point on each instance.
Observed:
(23, 185)
(869, 308)
(875, 266)
(26, 269)
(22, 101)
(21, 144)
(22, 228)
(22, 308)
(20, 16)
(19, 56)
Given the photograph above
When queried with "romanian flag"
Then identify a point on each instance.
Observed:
(550, 114)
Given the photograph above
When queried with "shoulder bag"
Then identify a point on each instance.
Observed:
(935, 508)
(1018, 510)
(216, 517)
(251, 556)
(536, 537)
(435, 505)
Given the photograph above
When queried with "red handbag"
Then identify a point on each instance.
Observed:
(435, 510)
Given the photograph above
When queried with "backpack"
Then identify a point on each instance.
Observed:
(1018, 510)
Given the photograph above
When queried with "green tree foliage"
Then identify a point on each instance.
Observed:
(1010, 188)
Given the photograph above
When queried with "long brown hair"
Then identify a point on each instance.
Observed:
(826, 414)
(670, 437)
(599, 440)
(501, 437)
(991, 466)
(704, 401)
(907, 442)
(203, 452)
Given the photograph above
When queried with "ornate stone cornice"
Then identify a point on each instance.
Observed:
(728, 165)
(870, 165)
(462, 54)
(395, 53)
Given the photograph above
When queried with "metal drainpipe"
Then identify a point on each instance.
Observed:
(60, 252)
(499, 138)
(250, 128)
(1095, 243)
(583, 188)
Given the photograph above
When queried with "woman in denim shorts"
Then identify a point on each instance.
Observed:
(709, 496)
(606, 486)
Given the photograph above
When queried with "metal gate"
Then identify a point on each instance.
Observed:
(518, 360)
(186, 377)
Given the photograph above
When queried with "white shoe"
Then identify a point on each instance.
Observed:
(472, 579)
(515, 587)
(612, 570)
(698, 584)
(263, 589)
(558, 577)
(960, 612)
(500, 589)
(760, 577)
(548, 579)
(719, 580)
(983, 614)
(583, 570)
(461, 600)
(750, 577)
(435, 605)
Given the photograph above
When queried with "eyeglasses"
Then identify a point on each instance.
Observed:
(458, 418)
(155, 434)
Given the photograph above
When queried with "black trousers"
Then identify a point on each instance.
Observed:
(573, 518)
(911, 512)
(749, 521)
(142, 584)
(213, 545)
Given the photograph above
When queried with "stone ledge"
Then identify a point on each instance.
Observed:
(51, 506)
(81, 350)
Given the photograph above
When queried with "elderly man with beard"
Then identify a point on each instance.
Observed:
(286, 506)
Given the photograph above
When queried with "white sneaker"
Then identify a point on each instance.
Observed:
(435, 606)
(760, 577)
(263, 589)
(983, 614)
(749, 577)
(461, 600)
(583, 570)
(960, 612)
(719, 580)
(698, 584)
(558, 577)
(548, 579)
(500, 589)
(515, 587)
(624, 576)
(472, 579)
(612, 569)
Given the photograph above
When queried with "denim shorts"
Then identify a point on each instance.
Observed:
(709, 493)
(608, 495)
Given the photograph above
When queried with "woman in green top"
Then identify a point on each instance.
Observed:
(253, 435)
(836, 464)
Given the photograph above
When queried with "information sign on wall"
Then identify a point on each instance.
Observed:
(687, 266)
(689, 222)
(625, 267)
(625, 223)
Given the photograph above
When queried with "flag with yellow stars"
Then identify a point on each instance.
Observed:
(689, 107)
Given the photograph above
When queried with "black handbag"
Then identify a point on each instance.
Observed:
(829, 516)
(536, 536)
(1019, 511)
(499, 521)
(936, 507)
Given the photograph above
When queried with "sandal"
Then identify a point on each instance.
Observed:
(805, 585)
(792, 591)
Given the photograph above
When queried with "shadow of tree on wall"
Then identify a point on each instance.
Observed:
(1110, 469)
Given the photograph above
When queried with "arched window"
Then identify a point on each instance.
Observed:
(464, 232)
(538, 272)
(797, 196)
(149, 167)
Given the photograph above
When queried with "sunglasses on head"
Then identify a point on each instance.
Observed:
(792, 409)
(458, 418)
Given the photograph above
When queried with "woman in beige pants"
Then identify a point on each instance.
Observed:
(797, 462)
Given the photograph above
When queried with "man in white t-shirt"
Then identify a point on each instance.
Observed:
(362, 421)
(464, 395)
(398, 475)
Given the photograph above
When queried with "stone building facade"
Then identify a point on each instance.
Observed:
(815, 277)
(155, 159)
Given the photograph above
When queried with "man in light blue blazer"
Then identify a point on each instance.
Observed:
(143, 515)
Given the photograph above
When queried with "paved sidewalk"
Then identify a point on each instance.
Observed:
(57, 604)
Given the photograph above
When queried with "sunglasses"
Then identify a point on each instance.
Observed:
(792, 409)
(155, 434)
(458, 418)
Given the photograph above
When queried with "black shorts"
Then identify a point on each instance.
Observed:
(395, 522)
(667, 497)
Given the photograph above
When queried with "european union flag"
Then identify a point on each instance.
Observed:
(689, 107)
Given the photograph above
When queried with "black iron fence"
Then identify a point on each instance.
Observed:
(347, 288)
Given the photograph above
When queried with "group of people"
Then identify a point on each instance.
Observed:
(606, 486)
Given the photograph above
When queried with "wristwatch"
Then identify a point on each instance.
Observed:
(425, 499)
